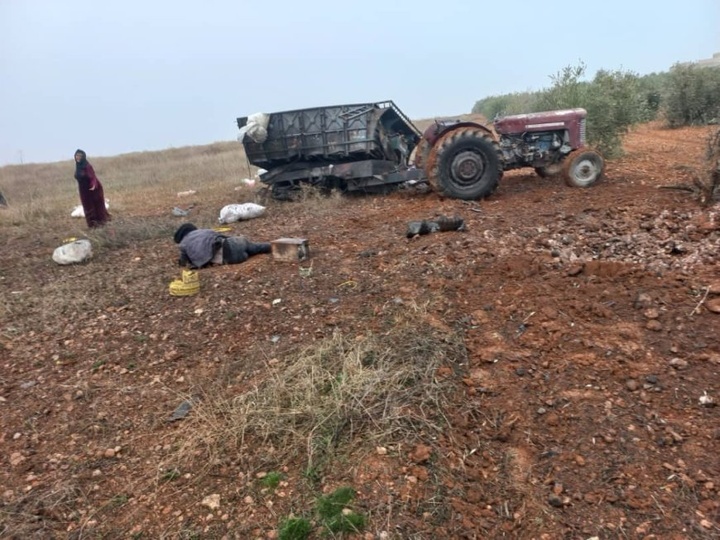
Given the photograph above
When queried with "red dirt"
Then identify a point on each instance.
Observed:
(577, 413)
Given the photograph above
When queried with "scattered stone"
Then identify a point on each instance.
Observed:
(555, 500)
(643, 301)
(16, 458)
(421, 453)
(212, 501)
(652, 313)
(580, 460)
(381, 450)
(17, 436)
(552, 419)
(541, 411)
(713, 305)
(678, 363)
(651, 379)
(654, 325)
(109, 453)
(632, 385)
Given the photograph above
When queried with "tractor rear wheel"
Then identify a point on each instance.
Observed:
(465, 164)
(582, 168)
(422, 151)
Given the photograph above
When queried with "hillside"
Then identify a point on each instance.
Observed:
(537, 376)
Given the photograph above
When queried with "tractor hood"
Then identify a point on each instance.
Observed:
(540, 121)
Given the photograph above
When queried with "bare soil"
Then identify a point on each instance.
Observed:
(573, 409)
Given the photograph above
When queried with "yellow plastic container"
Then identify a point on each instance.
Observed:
(187, 286)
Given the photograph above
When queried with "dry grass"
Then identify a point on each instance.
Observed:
(42, 194)
(370, 390)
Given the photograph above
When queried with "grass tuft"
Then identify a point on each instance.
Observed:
(324, 399)
(294, 528)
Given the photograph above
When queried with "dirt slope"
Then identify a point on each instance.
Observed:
(573, 410)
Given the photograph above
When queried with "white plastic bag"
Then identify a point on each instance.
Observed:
(72, 253)
(238, 212)
(79, 211)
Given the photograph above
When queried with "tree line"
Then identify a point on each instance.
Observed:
(617, 99)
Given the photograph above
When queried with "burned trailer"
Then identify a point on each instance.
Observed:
(358, 147)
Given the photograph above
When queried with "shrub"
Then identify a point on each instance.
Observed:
(692, 95)
(334, 513)
(614, 101)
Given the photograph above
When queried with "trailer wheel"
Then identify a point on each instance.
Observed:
(582, 168)
(465, 164)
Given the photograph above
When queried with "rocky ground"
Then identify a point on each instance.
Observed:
(550, 372)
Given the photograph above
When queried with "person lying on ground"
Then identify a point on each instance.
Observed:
(202, 247)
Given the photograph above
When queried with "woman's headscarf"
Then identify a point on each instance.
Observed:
(80, 165)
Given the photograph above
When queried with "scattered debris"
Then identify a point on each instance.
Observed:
(179, 212)
(188, 285)
(442, 224)
(186, 193)
(181, 411)
(290, 249)
(707, 401)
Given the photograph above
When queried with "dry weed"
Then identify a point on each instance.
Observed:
(373, 389)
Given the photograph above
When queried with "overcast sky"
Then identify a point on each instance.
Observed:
(119, 76)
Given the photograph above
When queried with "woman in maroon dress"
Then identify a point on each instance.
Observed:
(92, 196)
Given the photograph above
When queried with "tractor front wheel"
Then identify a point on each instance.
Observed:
(465, 164)
(582, 168)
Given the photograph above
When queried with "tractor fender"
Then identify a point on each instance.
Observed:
(438, 129)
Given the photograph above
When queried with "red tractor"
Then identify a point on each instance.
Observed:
(466, 160)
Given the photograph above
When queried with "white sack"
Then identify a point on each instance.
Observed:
(256, 128)
(74, 252)
(79, 211)
(239, 212)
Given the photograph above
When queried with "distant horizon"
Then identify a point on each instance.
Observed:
(80, 74)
